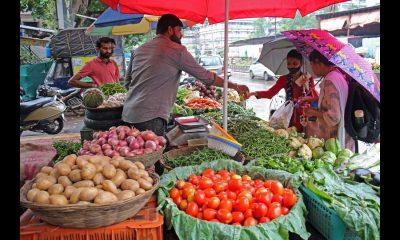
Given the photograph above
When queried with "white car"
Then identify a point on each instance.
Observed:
(258, 69)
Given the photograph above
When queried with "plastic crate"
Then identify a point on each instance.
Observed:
(86, 134)
(147, 224)
(325, 219)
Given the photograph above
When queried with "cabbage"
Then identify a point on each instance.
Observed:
(345, 153)
(294, 143)
(333, 145)
(314, 142)
(329, 157)
(317, 152)
(305, 152)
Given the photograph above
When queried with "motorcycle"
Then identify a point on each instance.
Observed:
(44, 114)
(71, 97)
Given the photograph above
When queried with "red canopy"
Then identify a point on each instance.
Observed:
(214, 10)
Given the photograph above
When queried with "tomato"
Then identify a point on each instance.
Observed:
(223, 173)
(218, 177)
(192, 209)
(222, 195)
(274, 211)
(226, 204)
(236, 224)
(209, 214)
(200, 215)
(288, 190)
(234, 184)
(188, 184)
(246, 185)
(200, 197)
(248, 213)
(213, 202)
(205, 183)
(242, 204)
(252, 190)
(237, 217)
(260, 190)
(180, 184)
(246, 194)
(188, 193)
(284, 210)
(235, 176)
(220, 186)
(259, 210)
(224, 216)
(246, 178)
(177, 200)
(231, 195)
(264, 220)
(258, 183)
(250, 221)
(210, 192)
(267, 184)
(173, 193)
(194, 179)
(183, 205)
(277, 187)
(289, 199)
(277, 198)
(208, 172)
(265, 197)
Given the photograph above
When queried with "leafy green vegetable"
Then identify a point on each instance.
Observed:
(187, 227)
(181, 94)
(110, 89)
(195, 158)
(65, 148)
(333, 145)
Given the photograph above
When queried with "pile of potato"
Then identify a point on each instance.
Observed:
(90, 179)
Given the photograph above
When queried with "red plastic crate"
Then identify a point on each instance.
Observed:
(147, 224)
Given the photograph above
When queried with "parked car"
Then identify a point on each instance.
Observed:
(257, 69)
(214, 63)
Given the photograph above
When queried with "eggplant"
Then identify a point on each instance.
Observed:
(376, 179)
(360, 174)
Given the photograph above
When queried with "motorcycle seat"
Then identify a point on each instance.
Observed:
(67, 91)
(27, 107)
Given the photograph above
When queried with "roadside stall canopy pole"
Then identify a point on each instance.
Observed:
(225, 107)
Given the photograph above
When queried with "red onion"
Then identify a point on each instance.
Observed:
(108, 152)
(113, 135)
(134, 144)
(120, 129)
(113, 128)
(81, 152)
(129, 139)
(159, 147)
(96, 135)
(148, 135)
(138, 151)
(95, 148)
(148, 150)
(130, 154)
(100, 154)
(117, 148)
(86, 145)
(115, 153)
(121, 135)
(151, 144)
(94, 141)
(162, 141)
(113, 142)
(106, 146)
(103, 135)
(140, 141)
(102, 141)
(123, 143)
(134, 132)
(123, 151)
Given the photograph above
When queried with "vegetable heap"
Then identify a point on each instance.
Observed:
(206, 91)
(229, 198)
(202, 103)
(195, 158)
(89, 180)
(122, 141)
(181, 95)
(116, 100)
(65, 148)
(92, 98)
(110, 89)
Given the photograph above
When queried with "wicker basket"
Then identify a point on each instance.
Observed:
(88, 216)
(149, 159)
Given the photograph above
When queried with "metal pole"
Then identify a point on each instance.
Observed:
(225, 107)
(60, 14)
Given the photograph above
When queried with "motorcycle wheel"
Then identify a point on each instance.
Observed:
(55, 127)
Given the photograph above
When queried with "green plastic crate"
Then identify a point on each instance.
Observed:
(86, 134)
(325, 219)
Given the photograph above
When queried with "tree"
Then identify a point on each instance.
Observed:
(261, 26)
(298, 22)
(135, 40)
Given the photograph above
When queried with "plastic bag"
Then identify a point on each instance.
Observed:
(281, 117)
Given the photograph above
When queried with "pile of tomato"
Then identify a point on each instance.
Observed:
(229, 198)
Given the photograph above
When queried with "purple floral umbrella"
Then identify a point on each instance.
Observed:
(342, 55)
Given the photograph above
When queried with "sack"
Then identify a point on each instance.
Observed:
(281, 117)
(360, 99)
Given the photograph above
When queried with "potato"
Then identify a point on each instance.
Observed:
(99, 167)
(83, 183)
(75, 195)
(56, 189)
(32, 193)
(68, 191)
(143, 173)
(133, 172)
(119, 177)
(95, 159)
(83, 203)
(70, 160)
(64, 181)
(100, 190)
(54, 173)
(74, 167)
(126, 164)
(46, 169)
(109, 171)
(63, 169)
(145, 184)
(42, 197)
(115, 163)
(105, 197)
(34, 185)
(109, 186)
(125, 194)
(88, 171)
(140, 165)
(80, 161)
(58, 200)
(75, 175)
(130, 184)
(88, 194)
(149, 179)
(140, 191)
(44, 183)
(41, 174)
(118, 158)
(98, 178)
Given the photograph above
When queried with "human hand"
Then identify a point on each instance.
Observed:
(249, 94)
(242, 89)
